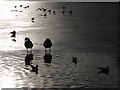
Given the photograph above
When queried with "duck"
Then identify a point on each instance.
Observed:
(34, 68)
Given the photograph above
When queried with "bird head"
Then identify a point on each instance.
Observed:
(27, 39)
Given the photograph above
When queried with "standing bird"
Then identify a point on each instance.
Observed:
(75, 60)
(28, 44)
(104, 70)
(47, 44)
(13, 34)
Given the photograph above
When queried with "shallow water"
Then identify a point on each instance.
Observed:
(90, 33)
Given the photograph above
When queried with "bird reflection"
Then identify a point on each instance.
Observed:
(28, 59)
(47, 58)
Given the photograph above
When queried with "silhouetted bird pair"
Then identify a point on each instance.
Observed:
(47, 44)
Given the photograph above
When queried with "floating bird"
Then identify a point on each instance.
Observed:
(34, 68)
(20, 5)
(47, 44)
(63, 7)
(39, 9)
(104, 70)
(75, 60)
(54, 12)
(70, 12)
(28, 44)
(26, 7)
(13, 34)
(49, 11)
(15, 6)
(63, 12)
(45, 15)
(33, 18)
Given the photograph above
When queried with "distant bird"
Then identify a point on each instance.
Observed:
(34, 68)
(63, 7)
(45, 15)
(47, 44)
(104, 70)
(33, 18)
(20, 5)
(15, 6)
(70, 12)
(54, 12)
(63, 12)
(14, 40)
(49, 11)
(28, 44)
(13, 34)
(39, 9)
(75, 60)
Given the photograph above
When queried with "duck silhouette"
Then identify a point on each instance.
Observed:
(75, 60)
(28, 44)
(34, 68)
(103, 70)
(47, 44)
(13, 34)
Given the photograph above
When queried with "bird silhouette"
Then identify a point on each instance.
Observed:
(34, 68)
(33, 18)
(28, 44)
(70, 12)
(63, 12)
(75, 60)
(45, 15)
(47, 44)
(54, 12)
(103, 70)
(13, 34)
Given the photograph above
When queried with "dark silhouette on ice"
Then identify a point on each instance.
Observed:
(74, 60)
(47, 44)
(13, 34)
(34, 68)
(103, 70)
(28, 44)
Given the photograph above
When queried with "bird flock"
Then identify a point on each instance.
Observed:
(45, 12)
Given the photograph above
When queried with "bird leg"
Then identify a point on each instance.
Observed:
(31, 50)
(49, 49)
